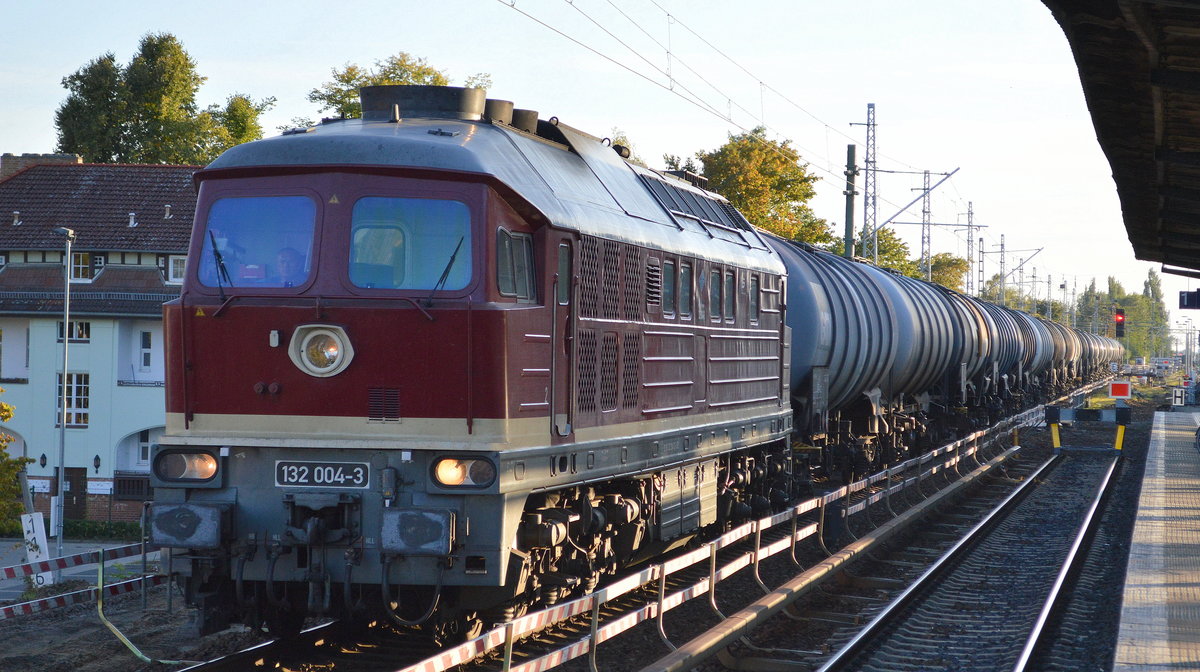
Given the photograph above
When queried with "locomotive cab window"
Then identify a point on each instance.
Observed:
(258, 242)
(410, 243)
(514, 264)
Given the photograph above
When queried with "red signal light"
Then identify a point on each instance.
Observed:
(1119, 321)
(1119, 316)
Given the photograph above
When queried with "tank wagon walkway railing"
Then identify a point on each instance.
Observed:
(905, 478)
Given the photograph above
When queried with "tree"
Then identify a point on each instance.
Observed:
(949, 271)
(146, 112)
(765, 180)
(10, 492)
(341, 93)
(620, 138)
(91, 120)
(239, 118)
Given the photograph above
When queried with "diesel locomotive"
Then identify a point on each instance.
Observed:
(451, 361)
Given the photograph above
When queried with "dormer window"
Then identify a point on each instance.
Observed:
(81, 267)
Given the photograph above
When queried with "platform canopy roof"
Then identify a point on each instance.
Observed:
(1139, 63)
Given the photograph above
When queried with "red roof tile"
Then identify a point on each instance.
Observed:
(95, 201)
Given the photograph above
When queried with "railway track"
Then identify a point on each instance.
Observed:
(574, 630)
(983, 605)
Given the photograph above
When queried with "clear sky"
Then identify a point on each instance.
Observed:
(986, 87)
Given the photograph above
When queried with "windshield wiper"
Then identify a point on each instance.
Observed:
(222, 272)
(445, 273)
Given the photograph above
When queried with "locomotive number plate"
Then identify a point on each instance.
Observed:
(321, 474)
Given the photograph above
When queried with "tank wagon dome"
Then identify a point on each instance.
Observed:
(548, 170)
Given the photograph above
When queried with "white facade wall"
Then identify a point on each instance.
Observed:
(125, 398)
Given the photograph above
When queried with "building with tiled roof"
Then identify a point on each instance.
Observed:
(131, 226)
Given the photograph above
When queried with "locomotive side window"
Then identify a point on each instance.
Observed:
(668, 288)
(564, 275)
(714, 296)
(258, 242)
(754, 298)
(730, 296)
(410, 243)
(685, 291)
(514, 264)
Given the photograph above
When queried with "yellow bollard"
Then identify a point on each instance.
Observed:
(1054, 435)
(1120, 437)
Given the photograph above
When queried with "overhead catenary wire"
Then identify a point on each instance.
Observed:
(691, 96)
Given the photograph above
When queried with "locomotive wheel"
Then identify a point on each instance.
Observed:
(455, 629)
(284, 623)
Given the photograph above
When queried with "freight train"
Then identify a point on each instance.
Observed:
(451, 361)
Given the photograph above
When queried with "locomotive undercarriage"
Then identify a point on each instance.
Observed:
(567, 542)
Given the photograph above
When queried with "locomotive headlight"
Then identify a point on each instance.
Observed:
(321, 350)
(185, 466)
(455, 472)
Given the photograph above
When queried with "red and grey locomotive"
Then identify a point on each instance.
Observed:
(452, 361)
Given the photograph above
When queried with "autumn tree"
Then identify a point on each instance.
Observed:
(949, 270)
(146, 111)
(340, 94)
(10, 492)
(766, 181)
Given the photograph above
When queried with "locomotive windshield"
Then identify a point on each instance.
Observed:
(410, 243)
(258, 242)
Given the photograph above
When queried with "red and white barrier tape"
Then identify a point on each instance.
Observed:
(66, 599)
(88, 558)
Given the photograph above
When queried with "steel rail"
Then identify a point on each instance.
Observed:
(864, 636)
(740, 624)
(1070, 564)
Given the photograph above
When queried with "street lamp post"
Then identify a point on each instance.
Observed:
(69, 235)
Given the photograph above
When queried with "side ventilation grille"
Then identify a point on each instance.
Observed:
(383, 404)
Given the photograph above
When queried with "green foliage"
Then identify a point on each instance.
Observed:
(11, 506)
(146, 112)
(619, 137)
(949, 271)
(100, 529)
(1147, 323)
(765, 180)
(340, 94)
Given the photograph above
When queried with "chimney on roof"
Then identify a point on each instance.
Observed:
(132, 219)
(16, 217)
(167, 211)
(11, 163)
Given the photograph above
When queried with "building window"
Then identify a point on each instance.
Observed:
(143, 455)
(145, 358)
(78, 390)
(514, 264)
(81, 267)
(81, 332)
(135, 488)
(176, 263)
